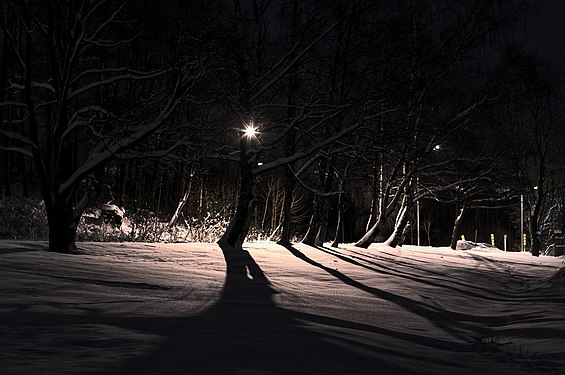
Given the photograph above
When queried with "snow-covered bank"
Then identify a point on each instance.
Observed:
(177, 308)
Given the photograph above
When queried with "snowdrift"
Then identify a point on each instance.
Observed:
(468, 245)
(196, 308)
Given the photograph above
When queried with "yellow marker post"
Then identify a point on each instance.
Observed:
(462, 237)
(492, 239)
(524, 241)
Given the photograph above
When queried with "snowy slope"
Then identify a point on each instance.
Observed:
(180, 308)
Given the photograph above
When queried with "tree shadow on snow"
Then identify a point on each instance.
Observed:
(421, 275)
(245, 332)
(461, 325)
(10, 247)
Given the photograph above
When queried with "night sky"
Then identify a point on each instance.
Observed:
(546, 31)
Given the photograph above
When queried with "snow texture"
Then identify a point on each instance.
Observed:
(137, 308)
(468, 245)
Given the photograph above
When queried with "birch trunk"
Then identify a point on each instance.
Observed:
(401, 223)
(182, 202)
(456, 233)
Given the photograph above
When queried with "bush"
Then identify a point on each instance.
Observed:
(23, 219)
(145, 226)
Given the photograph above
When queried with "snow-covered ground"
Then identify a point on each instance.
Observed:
(137, 308)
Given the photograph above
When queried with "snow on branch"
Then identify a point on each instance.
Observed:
(18, 150)
(300, 155)
(283, 72)
(15, 50)
(112, 43)
(312, 190)
(13, 104)
(155, 154)
(131, 75)
(109, 151)
(74, 122)
(108, 20)
(41, 85)
(14, 136)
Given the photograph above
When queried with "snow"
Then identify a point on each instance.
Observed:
(177, 308)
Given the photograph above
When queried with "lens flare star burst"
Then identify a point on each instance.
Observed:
(250, 131)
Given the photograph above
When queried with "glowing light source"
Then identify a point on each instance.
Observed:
(437, 148)
(250, 131)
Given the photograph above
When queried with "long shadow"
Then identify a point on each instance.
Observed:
(243, 333)
(465, 288)
(458, 324)
(497, 296)
(10, 247)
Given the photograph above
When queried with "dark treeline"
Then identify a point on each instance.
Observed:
(397, 121)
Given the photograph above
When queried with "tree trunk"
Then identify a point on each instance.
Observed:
(62, 234)
(63, 222)
(180, 206)
(183, 201)
(203, 205)
(6, 188)
(4, 156)
(375, 193)
(405, 231)
(290, 139)
(323, 230)
(401, 222)
(338, 230)
(313, 225)
(534, 218)
(239, 224)
(25, 179)
(455, 234)
(315, 220)
(536, 243)
(372, 233)
(385, 207)
(287, 208)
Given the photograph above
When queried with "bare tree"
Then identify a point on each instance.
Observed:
(433, 70)
(59, 85)
(535, 108)
(264, 118)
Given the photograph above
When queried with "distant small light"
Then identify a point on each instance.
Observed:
(437, 148)
(535, 187)
(259, 164)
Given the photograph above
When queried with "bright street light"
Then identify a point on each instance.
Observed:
(250, 131)
(437, 148)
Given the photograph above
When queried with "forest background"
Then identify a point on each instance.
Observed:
(347, 121)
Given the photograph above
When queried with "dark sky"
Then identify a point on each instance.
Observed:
(546, 31)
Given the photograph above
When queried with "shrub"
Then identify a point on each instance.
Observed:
(23, 219)
(144, 226)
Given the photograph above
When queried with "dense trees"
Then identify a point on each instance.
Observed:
(535, 109)
(73, 67)
(356, 113)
